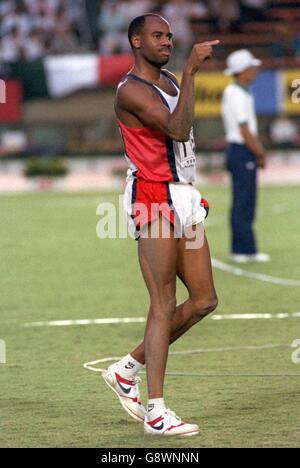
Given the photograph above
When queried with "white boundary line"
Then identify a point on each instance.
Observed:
(127, 320)
(283, 315)
(69, 323)
(90, 365)
(250, 274)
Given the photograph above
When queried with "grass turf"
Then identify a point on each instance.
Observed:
(53, 267)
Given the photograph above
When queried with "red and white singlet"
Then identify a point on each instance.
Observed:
(154, 157)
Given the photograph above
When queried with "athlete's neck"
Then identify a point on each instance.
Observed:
(147, 72)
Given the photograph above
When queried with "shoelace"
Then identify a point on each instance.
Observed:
(171, 417)
(137, 380)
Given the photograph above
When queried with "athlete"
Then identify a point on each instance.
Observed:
(155, 116)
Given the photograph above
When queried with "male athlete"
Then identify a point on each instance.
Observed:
(155, 116)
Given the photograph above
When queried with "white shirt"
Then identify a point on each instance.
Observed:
(10, 49)
(33, 48)
(238, 108)
(20, 21)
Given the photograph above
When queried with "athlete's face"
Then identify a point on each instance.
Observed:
(155, 42)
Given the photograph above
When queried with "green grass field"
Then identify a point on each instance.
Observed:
(53, 267)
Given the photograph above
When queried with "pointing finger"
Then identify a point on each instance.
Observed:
(211, 43)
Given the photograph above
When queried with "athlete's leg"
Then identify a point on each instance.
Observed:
(158, 260)
(195, 271)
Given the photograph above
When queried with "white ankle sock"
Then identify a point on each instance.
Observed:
(129, 367)
(156, 407)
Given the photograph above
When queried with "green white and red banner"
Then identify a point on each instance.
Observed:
(59, 76)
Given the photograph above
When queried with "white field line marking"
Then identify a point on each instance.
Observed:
(91, 365)
(255, 316)
(109, 321)
(249, 274)
(69, 323)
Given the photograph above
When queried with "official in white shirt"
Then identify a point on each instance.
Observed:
(244, 155)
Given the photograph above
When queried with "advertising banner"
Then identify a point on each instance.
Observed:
(210, 88)
(291, 91)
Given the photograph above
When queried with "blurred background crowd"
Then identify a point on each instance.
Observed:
(30, 29)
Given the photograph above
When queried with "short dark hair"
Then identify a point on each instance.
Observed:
(137, 25)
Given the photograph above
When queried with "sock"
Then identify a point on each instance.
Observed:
(156, 407)
(129, 367)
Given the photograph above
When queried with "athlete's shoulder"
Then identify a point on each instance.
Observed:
(132, 93)
(125, 84)
(130, 86)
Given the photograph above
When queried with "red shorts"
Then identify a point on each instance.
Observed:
(180, 204)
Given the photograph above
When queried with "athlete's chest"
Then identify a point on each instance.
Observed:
(167, 86)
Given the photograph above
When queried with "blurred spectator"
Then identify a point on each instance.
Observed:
(10, 46)
(33, 46)
(45, 21)
(253, 10)
(49, 6)
(180, 13)
(113, 21)
(6, 6)
(18, 18)
(112, 25)
(229, 19)
(284, 132)
(286, 41)
(65, 41)
(63, 19)
(133, 8)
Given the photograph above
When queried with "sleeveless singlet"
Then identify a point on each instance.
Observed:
(154, 157)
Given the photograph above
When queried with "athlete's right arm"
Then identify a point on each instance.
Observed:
(139, 100)
(184, 114)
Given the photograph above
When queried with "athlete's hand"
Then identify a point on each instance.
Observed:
(199, 54)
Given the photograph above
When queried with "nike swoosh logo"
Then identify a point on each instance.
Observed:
(125, 390)
(129, 366)
(158, 428)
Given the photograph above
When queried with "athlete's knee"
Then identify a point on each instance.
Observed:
(204, 306)
(163, 308)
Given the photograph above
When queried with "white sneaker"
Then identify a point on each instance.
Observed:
(168, 424)
(240, 258)
(260, 257)
(127, 390)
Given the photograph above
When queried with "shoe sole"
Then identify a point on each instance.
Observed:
(165, 434)
(240, 262)
(189, 434)
(129, 411)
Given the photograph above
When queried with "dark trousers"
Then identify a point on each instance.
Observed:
(242, 166)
